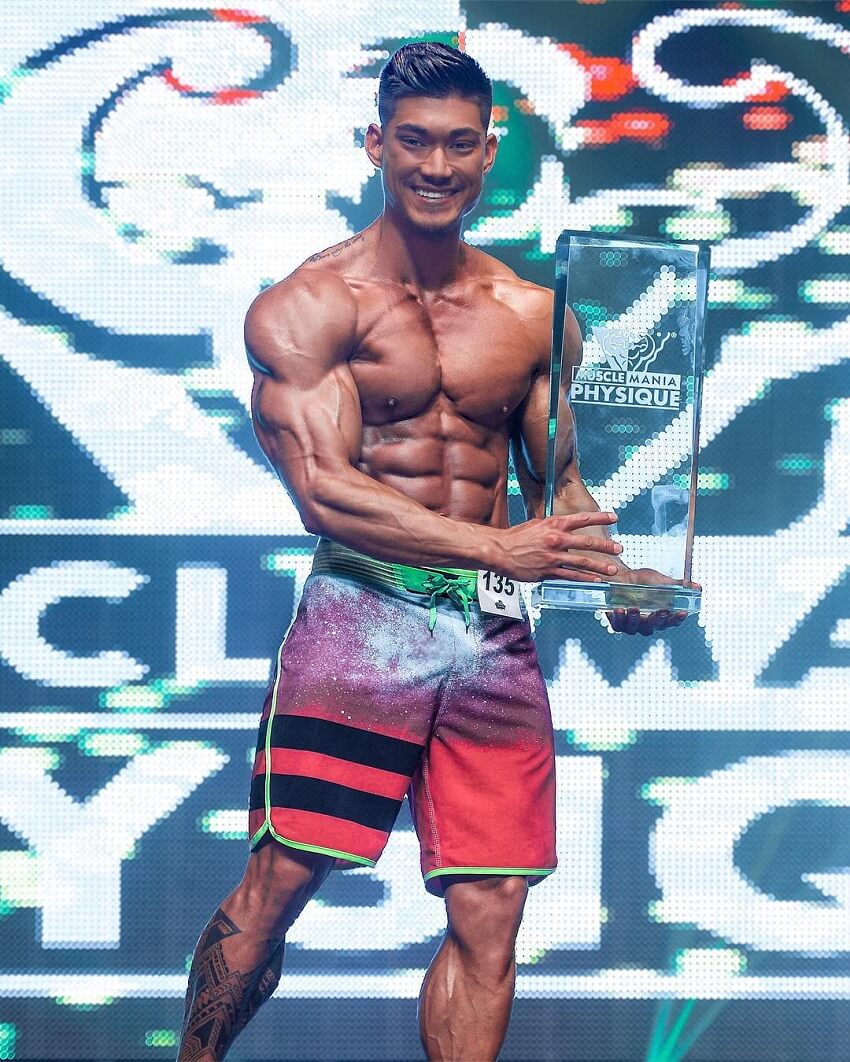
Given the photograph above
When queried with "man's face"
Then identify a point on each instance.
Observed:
(433, 154)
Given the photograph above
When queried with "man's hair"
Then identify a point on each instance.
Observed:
(428, 68)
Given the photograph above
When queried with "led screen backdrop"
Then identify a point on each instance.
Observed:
(163, 164)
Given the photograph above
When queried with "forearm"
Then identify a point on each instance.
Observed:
(359, 512)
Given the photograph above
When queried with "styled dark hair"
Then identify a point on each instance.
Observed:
(428, 68)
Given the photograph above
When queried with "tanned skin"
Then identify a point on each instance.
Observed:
(391, 375)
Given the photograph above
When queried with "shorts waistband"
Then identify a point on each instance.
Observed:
(459, 585)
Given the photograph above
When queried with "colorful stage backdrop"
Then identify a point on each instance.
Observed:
(162, 164)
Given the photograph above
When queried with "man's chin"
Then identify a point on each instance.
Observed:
(438, 231)
(435, 226)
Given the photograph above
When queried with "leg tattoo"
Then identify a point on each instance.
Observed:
(221, 1000)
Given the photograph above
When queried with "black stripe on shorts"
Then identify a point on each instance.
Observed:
(343, 742)
(327, 798)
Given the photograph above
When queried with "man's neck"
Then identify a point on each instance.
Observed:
(428, 261)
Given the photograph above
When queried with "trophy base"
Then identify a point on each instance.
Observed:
(564, 593)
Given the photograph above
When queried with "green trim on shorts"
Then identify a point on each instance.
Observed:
(459, 585)
(506, 871)
(267, 822)
(318, 849)
(267, 796)
(331, 556)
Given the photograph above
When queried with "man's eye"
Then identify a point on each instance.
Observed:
(411, 141)
(464, 145)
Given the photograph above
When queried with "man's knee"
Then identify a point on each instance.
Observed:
(485, 914)
(278, 882)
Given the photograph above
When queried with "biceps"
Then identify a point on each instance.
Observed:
(566, 455)
(534, 438)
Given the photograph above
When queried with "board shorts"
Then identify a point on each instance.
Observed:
(391, 681)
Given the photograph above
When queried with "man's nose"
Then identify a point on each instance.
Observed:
(436, 166)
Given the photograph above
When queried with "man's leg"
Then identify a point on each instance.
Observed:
(237, 960)
(466, 998)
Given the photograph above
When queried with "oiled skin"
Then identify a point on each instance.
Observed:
(391, 370)
(440, 381)
(420, 392)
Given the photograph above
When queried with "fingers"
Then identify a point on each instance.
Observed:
(591, 542)
(599, 565)
(655, 621)
(576, 574)
(625, 620)
(558, 539)
(587, 519)
(632, 621)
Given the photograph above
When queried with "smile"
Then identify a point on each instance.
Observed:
(424, 193)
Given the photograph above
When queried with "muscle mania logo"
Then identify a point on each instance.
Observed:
(623, 377)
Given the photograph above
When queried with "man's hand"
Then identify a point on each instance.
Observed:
(551, 548)
(632, 620)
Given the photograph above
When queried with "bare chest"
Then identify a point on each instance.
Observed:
(476, 358)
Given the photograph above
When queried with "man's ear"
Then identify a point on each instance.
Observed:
(375, 144)
(490, 145)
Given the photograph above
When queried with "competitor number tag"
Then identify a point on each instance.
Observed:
(498, 595)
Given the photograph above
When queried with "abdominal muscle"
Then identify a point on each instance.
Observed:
(447, 463)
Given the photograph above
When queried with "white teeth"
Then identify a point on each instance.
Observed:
(432, 195)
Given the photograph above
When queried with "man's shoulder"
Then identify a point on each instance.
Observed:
(506, 285)
(530, 304)
(310, 287)
(529, 299)
(335, 259)
(312, 311)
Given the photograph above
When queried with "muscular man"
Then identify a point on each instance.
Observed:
(392, 373)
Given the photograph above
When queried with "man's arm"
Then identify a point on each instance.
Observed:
(530, 441)
(531, 437)
(307, 418)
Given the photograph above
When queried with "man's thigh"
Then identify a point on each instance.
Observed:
(484, 796)
(345, 721)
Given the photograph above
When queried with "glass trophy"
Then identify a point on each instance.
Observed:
(634, 387)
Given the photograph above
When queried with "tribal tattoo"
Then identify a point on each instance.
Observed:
(220, 1001)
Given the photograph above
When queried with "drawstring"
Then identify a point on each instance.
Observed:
(455, 590)
(457, 584)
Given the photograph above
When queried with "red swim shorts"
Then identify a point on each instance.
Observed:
(369, 701)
